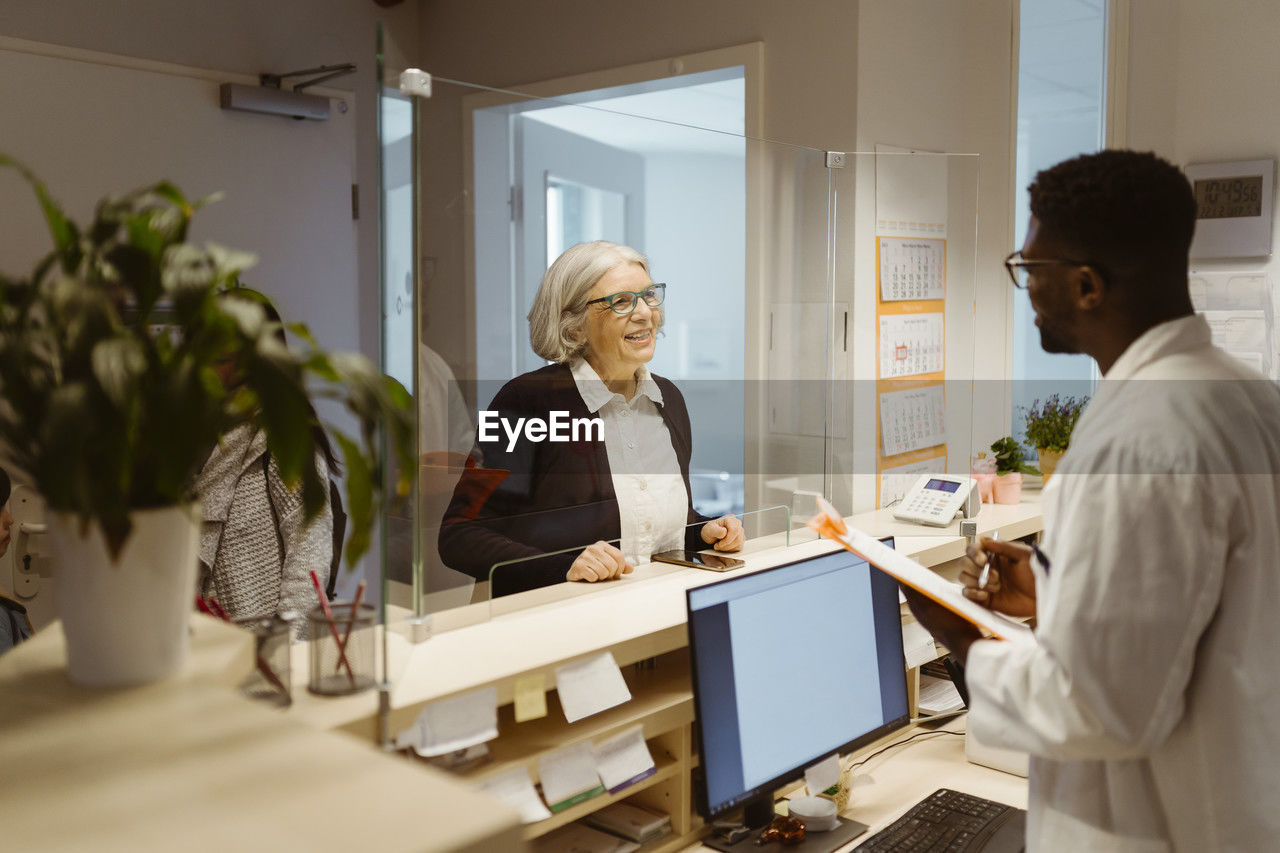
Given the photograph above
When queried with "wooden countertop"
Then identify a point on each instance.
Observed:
(189, 764)
(639, 616)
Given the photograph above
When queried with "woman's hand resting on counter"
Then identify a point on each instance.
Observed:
(599, 562)
(724, 533)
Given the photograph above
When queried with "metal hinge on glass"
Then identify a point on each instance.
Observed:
(415, 82)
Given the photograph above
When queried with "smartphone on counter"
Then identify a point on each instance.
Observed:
(698, 560)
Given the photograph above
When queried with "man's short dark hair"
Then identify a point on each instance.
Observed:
(1129, 212)
(5, 487)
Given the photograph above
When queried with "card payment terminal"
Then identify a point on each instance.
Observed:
(936, 498)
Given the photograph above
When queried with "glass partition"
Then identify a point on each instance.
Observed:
(510, 581)
(815, 331)
(902, 373)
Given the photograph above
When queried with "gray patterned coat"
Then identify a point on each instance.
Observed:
(251, 566)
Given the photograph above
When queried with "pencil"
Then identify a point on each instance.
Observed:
(351, 622)
(333, 628)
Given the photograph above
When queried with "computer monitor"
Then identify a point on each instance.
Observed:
(791, 665)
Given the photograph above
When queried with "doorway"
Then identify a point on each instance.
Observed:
(659, 165)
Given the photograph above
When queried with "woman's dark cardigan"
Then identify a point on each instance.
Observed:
(556, 495)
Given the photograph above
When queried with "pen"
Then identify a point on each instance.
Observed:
(986, 569)
(351, 622)
(333, 626)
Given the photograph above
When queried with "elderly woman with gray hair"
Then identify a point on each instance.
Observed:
(596, 318)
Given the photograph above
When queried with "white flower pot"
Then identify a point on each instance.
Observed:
(126, 622)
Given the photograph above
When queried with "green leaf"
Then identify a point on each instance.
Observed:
(63, 231)
(248, 316)
(302, 332)
(174, 196)
(118, 364)
(228, 261)
(106, 419)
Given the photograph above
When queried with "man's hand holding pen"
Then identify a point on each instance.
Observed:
(1010, 586)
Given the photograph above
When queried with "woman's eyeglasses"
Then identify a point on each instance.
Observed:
(625, 301)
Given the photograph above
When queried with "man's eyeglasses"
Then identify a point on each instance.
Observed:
(625, 301)
(1019, 268)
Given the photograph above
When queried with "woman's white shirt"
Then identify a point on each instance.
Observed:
(653, 503)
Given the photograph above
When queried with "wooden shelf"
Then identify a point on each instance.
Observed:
(661, 700)
(667, 769)
(672, 843)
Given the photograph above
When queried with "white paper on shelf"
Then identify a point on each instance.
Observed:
(822, 775)
(590, 686)
(566, 772)
(918, 646)
(938, 696)
(515, 788)
(457, 722)
(919, 578)
(623, 758)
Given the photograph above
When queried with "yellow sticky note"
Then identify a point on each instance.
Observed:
(531, 697)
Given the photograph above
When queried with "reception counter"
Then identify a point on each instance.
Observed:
(191, 763)
(641, 620)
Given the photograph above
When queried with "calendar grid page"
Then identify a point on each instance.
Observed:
(912, 269)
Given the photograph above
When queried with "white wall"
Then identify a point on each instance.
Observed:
(838, 75)
(1202, 78)
(243, 37)
(938, 76)
(114, 129)
(808, 91)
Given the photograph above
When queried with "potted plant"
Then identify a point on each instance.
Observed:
(983, 470)
(1049, 428)
(1010, 466)
(110, 403)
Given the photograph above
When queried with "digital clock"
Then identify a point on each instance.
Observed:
(1227, 198)
(1233, 208)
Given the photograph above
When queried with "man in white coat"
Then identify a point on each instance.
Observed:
(1147, 698)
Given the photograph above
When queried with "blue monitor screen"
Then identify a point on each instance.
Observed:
(791, 665)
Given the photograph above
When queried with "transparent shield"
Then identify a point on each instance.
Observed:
(520, 583)
(817, 335)
(900, 384)
(736, 228)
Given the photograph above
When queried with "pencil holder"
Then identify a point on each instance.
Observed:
(271, 673)
(341, 649)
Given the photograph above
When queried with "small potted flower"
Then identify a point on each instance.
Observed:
(1049, 428)
(1010, 466)
(984, 471)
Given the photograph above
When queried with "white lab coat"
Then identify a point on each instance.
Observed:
(1148, 700)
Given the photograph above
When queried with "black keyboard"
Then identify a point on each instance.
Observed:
(948, 820)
